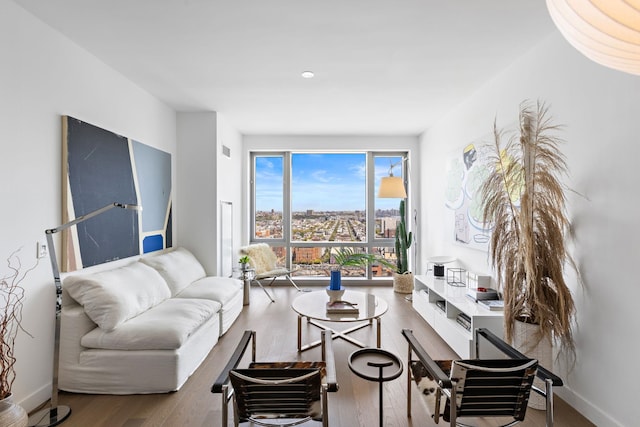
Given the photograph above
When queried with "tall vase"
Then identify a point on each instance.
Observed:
(524, 336)
(336, 280)
(12, 414)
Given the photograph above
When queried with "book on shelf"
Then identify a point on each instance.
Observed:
(464, 320)
(341, 307)
(492, 304)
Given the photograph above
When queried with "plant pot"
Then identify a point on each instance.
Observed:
(403, 283)
(524, 337)
(12, 414)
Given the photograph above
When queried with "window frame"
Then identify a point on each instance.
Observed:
(286, 240)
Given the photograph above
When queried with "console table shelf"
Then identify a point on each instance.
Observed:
(441, 305)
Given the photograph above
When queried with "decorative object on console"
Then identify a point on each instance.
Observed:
(456, 277)
(606, 32)
(10, 323)
(491, 304)
(524, 201)
(475, 280)
(480, 293)
(438, 265)
(55, 414)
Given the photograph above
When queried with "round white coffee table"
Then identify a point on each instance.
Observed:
(313, 306)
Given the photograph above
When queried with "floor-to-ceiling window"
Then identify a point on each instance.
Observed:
(308, 205)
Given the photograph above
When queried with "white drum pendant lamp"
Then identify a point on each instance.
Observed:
(605, 31)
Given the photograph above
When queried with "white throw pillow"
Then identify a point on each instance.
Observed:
(178, 267)
(114, 296)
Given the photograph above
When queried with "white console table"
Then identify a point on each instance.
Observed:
(442, 317)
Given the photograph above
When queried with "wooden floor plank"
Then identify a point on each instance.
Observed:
(355, 404)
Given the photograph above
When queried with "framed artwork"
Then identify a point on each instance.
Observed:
(100, 167)
(467, 170)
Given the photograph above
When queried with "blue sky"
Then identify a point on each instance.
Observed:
(322, 182)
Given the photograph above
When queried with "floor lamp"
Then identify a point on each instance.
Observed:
(55, 414)
(392, 187)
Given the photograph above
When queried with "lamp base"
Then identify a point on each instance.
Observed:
(48, 417)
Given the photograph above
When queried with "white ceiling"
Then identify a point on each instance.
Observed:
(381, 66)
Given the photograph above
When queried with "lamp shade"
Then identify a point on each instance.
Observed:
(605, 31)
(392, 187)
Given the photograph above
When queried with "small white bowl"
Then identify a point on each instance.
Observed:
(335, 295)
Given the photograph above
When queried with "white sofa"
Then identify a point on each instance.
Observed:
(143, 327)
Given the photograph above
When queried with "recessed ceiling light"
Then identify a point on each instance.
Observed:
(307, 74)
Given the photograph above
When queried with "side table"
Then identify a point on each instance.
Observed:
(247, 275)
(375, 364)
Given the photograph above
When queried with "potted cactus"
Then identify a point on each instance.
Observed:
(402, 278)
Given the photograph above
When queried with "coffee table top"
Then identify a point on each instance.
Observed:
(314, 306)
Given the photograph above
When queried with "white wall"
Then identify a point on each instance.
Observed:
(206, 178)
(43, 76)
(229, 173)
(197, 137)
(600, 110)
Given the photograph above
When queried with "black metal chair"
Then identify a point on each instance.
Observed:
(481, 387)
(277, 393)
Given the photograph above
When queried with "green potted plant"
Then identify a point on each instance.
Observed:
(402, 277)
(524, 202)
(245, 262)
(349, 257)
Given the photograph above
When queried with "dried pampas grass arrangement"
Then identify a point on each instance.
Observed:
(524, 201)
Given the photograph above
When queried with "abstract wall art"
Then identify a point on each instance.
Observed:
(100, 167)
(466, 172)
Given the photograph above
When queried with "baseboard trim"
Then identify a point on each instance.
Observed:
(586, 408)
(36, 399)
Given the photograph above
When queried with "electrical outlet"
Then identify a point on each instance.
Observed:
(42, 249)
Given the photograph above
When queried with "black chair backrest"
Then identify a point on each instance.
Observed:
(277, 393)
(488, 387)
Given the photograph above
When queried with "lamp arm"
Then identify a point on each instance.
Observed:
(85, 217)
(55, 414)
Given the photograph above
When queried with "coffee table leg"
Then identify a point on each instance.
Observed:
(378, 331)
(299, 333)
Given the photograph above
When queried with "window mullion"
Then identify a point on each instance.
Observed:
(286, 213)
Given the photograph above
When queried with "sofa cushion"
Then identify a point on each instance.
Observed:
(178, 267)
(111, 297)
(166, 326)
(221, 289)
